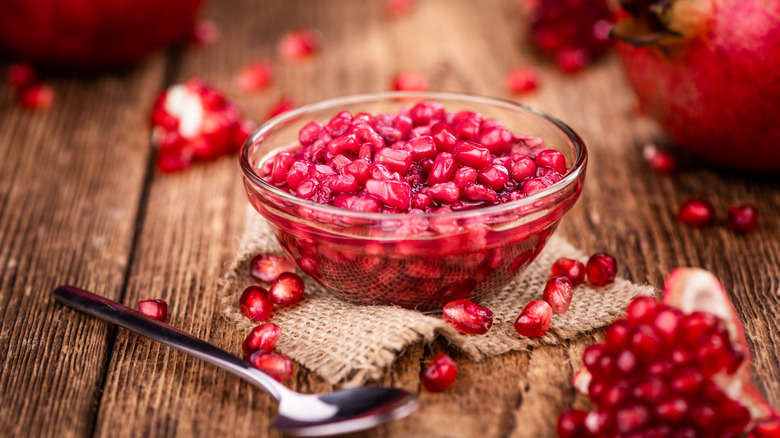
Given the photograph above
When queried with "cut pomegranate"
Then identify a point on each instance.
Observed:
(660, 160)
(299, 44)
(558, 293)
(693, 378)
(157, 309)
(275, 365)
(572, 269)
(262, 337)
(255, 76)
(267, 267)
(696, 212)
(255, 303)
(601, 269)
(535, 319)
(440, 374)
(287, 289)
(409, 81)
(36, 97)
(742, 218)
(467, 317)
(522, 80)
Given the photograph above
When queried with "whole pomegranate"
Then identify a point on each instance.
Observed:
(706, 70)
(93, 33)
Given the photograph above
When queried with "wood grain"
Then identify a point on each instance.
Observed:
(80, 204)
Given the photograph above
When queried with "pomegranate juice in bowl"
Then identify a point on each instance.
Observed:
(413, 199)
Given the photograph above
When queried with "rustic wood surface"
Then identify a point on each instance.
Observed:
(81, 203)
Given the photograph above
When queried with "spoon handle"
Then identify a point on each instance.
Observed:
(133, 320)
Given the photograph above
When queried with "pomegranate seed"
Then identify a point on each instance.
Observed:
(444, 136)
(766, 429)
(660, 160)
(572, 269)
(443, 170)
(696, 212)
(409, 81)
(440, 374)
(571, 424)
(467, 317)
(523, 169)
(601, 269)
(35, 97)
(21, 76)
(255, 76)
(445, 192)
(262, 337)
(204, 33)
(571, 61)
(399, 8)
(494, 176)
(393, 193)
(157, 309)
(534, 320)
(742, 218)
(642, 310)
(275, 365)
(267, 267)
(170, 160)
(281, 106)
(558, 293)
(465, 176)
(478, 192)
(298, 45)
(631, 418)
(421, 148)
(287, 289)
(522, 80)
(255, 303)
(395, 160)
(472, 155)
(552, 159)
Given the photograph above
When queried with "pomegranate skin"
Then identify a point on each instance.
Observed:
(93, 33)
(717, 93)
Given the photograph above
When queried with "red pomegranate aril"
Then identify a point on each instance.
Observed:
(281, 106)
(256, 304)
(35, 97)
(299, 171)
(157, 309)
(445, 192)
(522, 80)
(696, 212)
(572, 269)
(255, 76)
(298, 45)
(262, 337)
(275, 365)
(766, 429)
(551, 159)
(532, 186)
(468, 128)
(617, 334)
(204, 33)
(650, 390)
(282, 163)
(425, 112)
(534, 320)
(421, 147)
(631, 417)
(443, 170)
(558, 293)
(310, 133)
(472, 155)
(571, 424)
(493, 176)
(287, 289)
(642, 310)
(644, 342)
(444, 136)
(440, 374)
(396, 194)
(468, 317)
(601, 269)
(666, 322)
(307, 188)
(742, 219)
(395, 160)
(344, 144)
(478, 192)
(266, 267)
(344, 184)
(672, 410)
(660, 160)
(409, 81)
(522, 169)
(571, 61)
(465, 176)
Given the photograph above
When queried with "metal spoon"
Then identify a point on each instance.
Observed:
(299, 414)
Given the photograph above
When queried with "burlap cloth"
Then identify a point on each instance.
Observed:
(348, 344)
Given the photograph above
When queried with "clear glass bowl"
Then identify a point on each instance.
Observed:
(417, 261)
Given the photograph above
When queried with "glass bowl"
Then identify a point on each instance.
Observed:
(420, 260)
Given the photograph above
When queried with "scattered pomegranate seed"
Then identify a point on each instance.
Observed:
(35, 97)
(255, 76)
(696, 212)
(283, 105)
(660, 160)
(287, 289)
(21, 76)
(440, 374)
(572, 269)
(399, 8)
(558, 293)
(535, 319)
(299, 44)
(262, 337)
(255, 303)
(157, 309)
(275, 365)
(572, 61)
(742, 218)
(522, 80)
(205, 33)
(409, 81)
(267, 267)
(601, 269)
(467, 317)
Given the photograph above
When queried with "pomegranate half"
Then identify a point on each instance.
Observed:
(93, 33)
(706, 71)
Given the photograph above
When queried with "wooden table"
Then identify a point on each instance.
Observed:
(81, 203)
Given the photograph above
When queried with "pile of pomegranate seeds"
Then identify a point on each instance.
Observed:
(193, 121)
(298, 45)
(575, 32)
(409, 81)
(31, 93)
(423, 159)
(157, 309)
(467, 317)
(440, 374)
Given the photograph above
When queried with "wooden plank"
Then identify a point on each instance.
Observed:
(71, 180)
